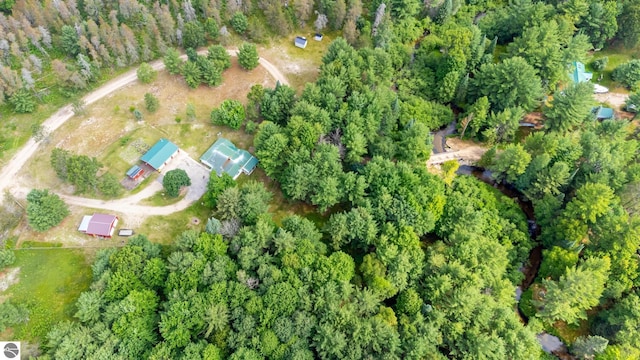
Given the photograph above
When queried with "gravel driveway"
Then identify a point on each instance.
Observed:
(198, 173)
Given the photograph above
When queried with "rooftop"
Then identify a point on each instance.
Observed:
(159, 153)
(224, 157)
(579, 74)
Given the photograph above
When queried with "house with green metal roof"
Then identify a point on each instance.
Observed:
(224, 157)
(160, 154)
(578, 73)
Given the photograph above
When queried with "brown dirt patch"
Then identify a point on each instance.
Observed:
(8, 277)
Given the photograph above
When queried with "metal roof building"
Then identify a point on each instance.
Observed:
(160, 154)
(224, 157)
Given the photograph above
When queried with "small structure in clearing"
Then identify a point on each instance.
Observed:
(579, 74)
(135, 173)
(602, 113)
(224, 157)
(300, 42)
(98, 225)
(318, 37)
(125, 232)
(160, 154)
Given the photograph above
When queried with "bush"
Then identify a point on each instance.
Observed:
(628, 73)
(7, 257)
(12, 314)
(600, 64)
(22, 101)
(174, 180)
(230, 113)
(193, 35)
(239, 22)
(219, 56)
(45, 210)
(248, 56)
(151, 102)
(109, 185)
(250, 127)
(146, 73)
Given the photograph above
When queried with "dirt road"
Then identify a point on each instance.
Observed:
(10, 171)
(615, 99)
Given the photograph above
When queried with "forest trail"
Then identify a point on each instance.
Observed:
(10, 170)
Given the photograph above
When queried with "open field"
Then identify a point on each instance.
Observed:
(49, 283)
(299, 65)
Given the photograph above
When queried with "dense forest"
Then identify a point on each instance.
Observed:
(409, 264)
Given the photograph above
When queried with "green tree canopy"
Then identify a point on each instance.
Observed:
(45, 210)
(174, 180)
(511, 83)
(248, 56)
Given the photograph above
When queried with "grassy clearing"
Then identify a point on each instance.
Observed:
(617, 55)
(49, 283)
(16, 129)
(301, 66)
(161, 199)
(164, 229)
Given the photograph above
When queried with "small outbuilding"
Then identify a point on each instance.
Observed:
(579, 74)
(98, 225)
(300, 42)
(125, 232)
(602, 113)
(135, 173)
(318, 37)
(160, 154)
(224, 157)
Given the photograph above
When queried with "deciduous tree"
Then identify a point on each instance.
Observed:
(174, 180)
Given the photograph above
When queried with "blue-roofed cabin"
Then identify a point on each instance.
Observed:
(300, 42)
(579, 74)
(602, 113)
(135, 172)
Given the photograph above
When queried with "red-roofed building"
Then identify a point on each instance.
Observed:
(99, 225)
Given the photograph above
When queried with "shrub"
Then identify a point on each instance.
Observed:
(628, 73)
(248, 56)
(600, 64)
(22, 101)
(230, 113)
(45, 210)
(239, 22)
(146, 73)
(151, 102)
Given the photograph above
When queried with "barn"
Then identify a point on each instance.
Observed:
(98, 225)
(160, 154)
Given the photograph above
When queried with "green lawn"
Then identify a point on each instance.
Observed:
(164, 229)
(50, 282)
(161, 199)
(617, 55)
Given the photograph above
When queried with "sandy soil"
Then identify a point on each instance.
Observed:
(8, 278)
(465, 152)
(615, 99)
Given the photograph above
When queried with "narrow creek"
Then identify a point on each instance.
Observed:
(530, 270)
(550, 344)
